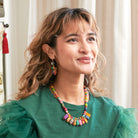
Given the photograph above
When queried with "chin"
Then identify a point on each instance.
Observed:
(88, 72)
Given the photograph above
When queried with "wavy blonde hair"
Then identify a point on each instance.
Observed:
(38, 70)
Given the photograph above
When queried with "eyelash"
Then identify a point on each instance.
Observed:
(90, 39)
(72, 40)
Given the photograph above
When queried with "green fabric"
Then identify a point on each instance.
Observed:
(15, 122)
(40, 116)
(127, 127)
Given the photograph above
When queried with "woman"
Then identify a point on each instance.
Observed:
(63, 66)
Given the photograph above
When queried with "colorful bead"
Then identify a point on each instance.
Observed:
(65, 117)
(84, 112)
(71, 121)
(65, 109)
(77, 122)
(74, 122)
(89, 115)
(83, 121)
(80, 122)
(68, 119)
(86, 121)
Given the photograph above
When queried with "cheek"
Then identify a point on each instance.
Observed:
(96, 50)
(62, 55)
(65, 52)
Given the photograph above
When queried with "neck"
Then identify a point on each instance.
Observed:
(70, 88)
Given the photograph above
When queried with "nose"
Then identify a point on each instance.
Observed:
(85, 47)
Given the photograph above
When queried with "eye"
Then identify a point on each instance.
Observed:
(90, 39)
(72, 40)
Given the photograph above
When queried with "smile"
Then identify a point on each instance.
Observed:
(85, 60)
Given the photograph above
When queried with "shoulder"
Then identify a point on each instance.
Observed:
(105, 109)
(106, 104)
(15, 120)
(34, 98)
(124, 119)
(33, 103)
(105, 100)
(108, 107)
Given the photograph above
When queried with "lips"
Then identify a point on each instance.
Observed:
(85, 60)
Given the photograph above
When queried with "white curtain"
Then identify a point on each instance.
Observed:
(38, 10)
(114, 19)
(16, 15)
(118, 21)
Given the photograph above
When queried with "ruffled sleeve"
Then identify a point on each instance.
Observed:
(128, 126)
(15, 122)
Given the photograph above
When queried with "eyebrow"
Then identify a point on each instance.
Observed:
(78, 35)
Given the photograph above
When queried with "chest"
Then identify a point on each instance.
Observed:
(50, 123)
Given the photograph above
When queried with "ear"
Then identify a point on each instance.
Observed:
(49, 51)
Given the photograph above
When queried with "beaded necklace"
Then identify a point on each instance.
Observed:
(75, 121)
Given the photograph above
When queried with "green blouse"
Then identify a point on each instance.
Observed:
(40, 116)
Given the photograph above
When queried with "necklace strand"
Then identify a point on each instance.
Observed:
(75, 121)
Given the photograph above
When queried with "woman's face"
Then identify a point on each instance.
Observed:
(76, 48)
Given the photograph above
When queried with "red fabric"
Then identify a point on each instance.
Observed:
(5, 48)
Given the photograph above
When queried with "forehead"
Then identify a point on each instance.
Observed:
(77, 27)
